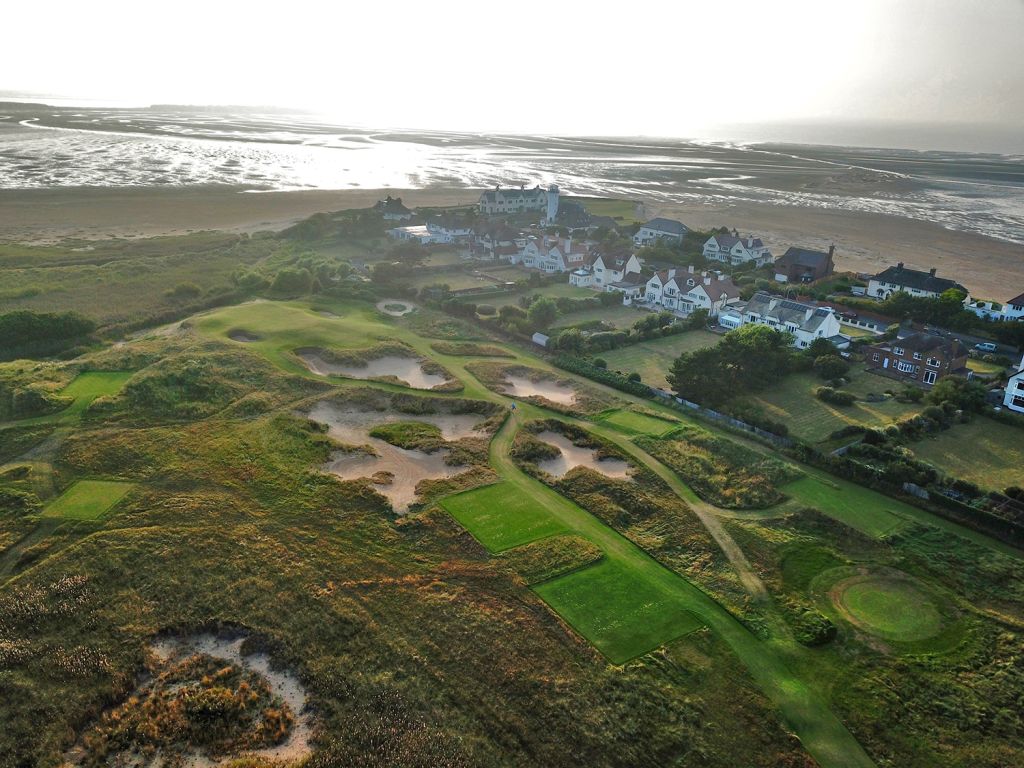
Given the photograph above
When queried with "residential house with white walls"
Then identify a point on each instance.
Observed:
(612, 267)
(660, 229)
(686, 290)
(735, 250)
(806, 322)
(553, 254)
(912, 281)
(1013, 309)
(1014, 394)
(499, 201)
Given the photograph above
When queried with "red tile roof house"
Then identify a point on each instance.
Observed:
(921, 359)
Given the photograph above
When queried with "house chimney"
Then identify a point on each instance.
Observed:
(832, 250)
(690, 269)
(707, 279)
(899, 265)
(932, 271)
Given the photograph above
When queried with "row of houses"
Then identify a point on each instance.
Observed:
(496, 240)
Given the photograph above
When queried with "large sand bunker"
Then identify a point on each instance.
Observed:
(394, 471)
(190, 678)
(408, 370)
(573, 456)
(395, 307)
(521, 386)
(243, 336)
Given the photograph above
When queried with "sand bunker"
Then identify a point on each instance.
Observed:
(243, 336)
(172, 651)
(573, 456)
(395, 307)
(521, 386)
(394, 471)
(408, 370)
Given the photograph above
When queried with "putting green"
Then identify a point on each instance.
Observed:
(500, 517)
(87, 499)
(633, 423)
(888, 606)
(623, 614)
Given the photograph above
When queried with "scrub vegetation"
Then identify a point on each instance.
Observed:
(716, 605)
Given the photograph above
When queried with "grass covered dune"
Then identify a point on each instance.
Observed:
(511, 615)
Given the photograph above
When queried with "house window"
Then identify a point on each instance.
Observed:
(904, 367)
(1018, 401)
(917, 355)
(897, 351)
(874, 358)
(933, 362)
(929, 377)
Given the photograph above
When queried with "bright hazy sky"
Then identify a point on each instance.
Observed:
(654, 68)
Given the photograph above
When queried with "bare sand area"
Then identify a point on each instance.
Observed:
(573, 456)
(521, 386)
(395, 472)
(50, 215)
(168, 651)
(868, 242)
(395, 307)
(865, 242)
(408, 370)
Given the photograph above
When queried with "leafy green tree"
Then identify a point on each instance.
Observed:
(542, 313)
(965, 395)
(747, 360)
(293, 281)
(697, 319)
(701, 376)
(831, 366)
(819, 347)
(24, 333)
(570, 340)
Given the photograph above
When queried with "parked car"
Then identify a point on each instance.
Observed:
(985, 346)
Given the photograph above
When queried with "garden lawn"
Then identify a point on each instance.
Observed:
(621, 613)
(618, 315)
(633, 423)
(622, 210)
(87, 499)
(500, 517)
(653, 359)
(792, 402)
(555, 291)
(455, 280)
(985, 452)
(870, 513)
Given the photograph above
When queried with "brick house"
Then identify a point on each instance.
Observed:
(920, 358)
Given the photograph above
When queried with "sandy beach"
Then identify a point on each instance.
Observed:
(49, 215)
(865, 242)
